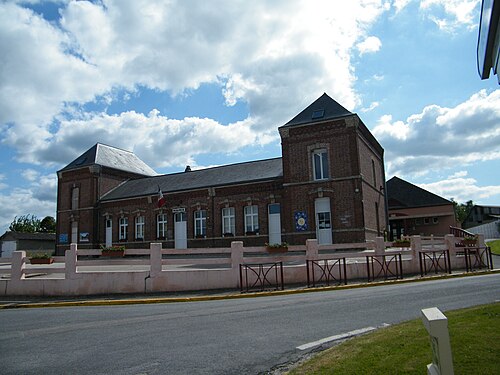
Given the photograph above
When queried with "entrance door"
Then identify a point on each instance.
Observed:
(274, 223)
(109, 232)
(323, 221)
(180, 230)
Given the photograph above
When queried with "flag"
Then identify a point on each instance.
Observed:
(161, 198)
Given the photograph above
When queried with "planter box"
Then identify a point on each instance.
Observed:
(277, 249)
(111, 253)
(42, 260)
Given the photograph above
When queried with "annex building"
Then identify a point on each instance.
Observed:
(329, 184)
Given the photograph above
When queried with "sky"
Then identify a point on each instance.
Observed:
(206, 83)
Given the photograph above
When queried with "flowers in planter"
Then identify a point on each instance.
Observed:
(112, 251)
(277, 247)
(41, 258)
(401, 243)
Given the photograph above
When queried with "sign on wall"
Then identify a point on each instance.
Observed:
(84, 236)
(300, 221)
(63, 238)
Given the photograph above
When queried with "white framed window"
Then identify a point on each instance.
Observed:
(320, 164)
(200, 223)
(228, 221)
(122, 228)
(161, 226)
(139, 227)
(75, 198)
(251, 219)
(427, 220)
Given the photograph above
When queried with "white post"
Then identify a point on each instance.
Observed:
(312, 249)
(18, 265)
(236, 259)
(379, 246)
(70, 259)
(436, 324)
(155, 259)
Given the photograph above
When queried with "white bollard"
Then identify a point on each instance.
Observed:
(436, 324)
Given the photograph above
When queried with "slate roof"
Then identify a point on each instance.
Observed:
(231, 174)
(402, 194)
(11, 236)
(331, 109)
(112, 157)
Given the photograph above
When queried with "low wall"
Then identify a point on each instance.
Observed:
(169, 270)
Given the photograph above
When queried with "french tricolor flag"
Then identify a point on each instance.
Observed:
(161, 198)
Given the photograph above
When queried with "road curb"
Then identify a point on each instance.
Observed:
(137, 301)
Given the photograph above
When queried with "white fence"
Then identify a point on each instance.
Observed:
(80, 272)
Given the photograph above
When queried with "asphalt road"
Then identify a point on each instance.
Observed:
(242, 336)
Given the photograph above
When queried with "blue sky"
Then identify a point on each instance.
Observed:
(207, 83)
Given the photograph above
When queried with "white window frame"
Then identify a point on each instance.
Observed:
(122, 228)
(200, 223)
(251, 218)
(139, 227)
(228, 221)
(161, 226)
(320, 164)
(75, 198)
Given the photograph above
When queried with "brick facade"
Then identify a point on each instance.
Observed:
(354, 185)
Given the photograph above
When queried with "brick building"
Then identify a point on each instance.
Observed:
(416, 211)
(328, 184)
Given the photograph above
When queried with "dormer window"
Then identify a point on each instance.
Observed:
(320, 164)
(319, 113)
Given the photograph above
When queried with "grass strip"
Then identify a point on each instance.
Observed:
(405, 348)
(495, 246)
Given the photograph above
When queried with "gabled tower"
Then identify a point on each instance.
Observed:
(82, 183)
(333, 173)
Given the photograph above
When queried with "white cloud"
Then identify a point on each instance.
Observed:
(371, 107)
(270, 55)
(449, 15)
(461, 188)
(400, 4)
(36, 199)
(440, 137)
(369, 45)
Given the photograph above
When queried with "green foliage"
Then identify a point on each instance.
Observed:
(48, 225)
(112, 248)
(39, 255)
(405, 348)
(462, 210)
(25, 224)
(282, 245)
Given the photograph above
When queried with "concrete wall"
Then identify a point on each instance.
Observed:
(159, 275)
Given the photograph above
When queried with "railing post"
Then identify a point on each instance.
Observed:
(480, 240)
(236, 260)
(70, 259)
(379, 246)
(312, 249)
(155, 260)
(18, 265)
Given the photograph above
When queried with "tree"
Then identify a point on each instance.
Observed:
(48, 225)
(26, 224)
(462, 210)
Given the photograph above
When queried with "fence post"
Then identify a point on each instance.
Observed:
(436, 324)
(70, 259)
(480, 240)
(236, 260)
(18, 265)
(379, 246)
(312, 249)
(155, 259)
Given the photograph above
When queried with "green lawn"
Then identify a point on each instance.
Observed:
(405, 348)
(495, 246)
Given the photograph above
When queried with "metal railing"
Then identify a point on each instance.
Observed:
(329, 270)
(258, 276)
(434, 260)
(386, 266)
(477, 258)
